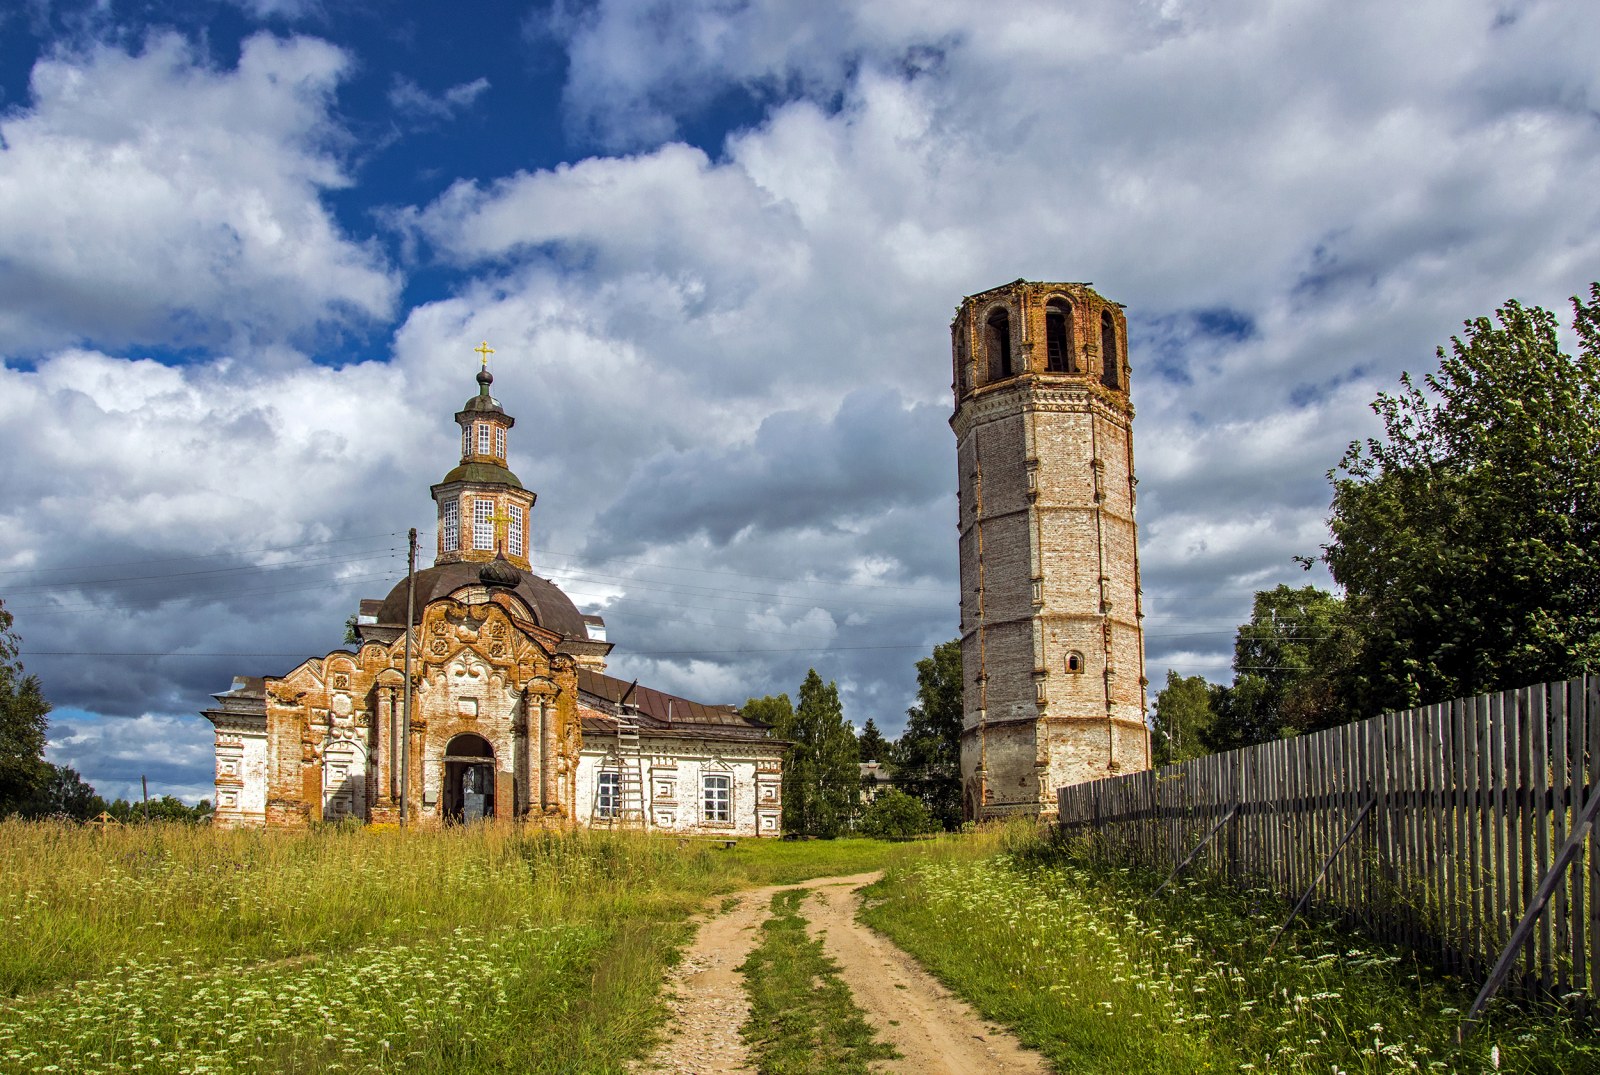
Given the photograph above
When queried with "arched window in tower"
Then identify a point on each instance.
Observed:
(483, 438)
(997, 342)
(483, 524)
(450, 526)
(499, 442)
(1058, 338)
(466, 441)
(1110, 363)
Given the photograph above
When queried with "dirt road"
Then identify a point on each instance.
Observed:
(936, 1032)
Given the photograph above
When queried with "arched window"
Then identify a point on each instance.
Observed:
(1058, 338)
(1075, 663)
(997, 341)
(1110, 364)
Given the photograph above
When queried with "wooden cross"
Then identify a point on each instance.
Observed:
(484, 350)
(500, 524)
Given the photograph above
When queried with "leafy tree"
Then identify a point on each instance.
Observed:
(1467, 538)
(64, 794)
(927, 757)
(1291, 666)
(871, 743)
(166, 808)
(894, 815)
(1182, 714)
(23, 718)
(821, 777)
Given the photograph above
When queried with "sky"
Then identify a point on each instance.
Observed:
(247, 248)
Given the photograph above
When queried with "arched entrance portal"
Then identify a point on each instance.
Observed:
(468, 778)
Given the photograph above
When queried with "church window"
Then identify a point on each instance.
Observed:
(450, 523)
(483, 524)
(499, 442)
(716, 798)
(1108, 352)
(483, 438)
(997, 341)
(1058, 338)
(514, 535)
(466, 441)
(608, 795)
(1075, 663)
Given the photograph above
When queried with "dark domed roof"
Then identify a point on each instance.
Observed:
(552, 609)
(499, 572)
(485, 473)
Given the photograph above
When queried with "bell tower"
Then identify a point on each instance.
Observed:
(483, 508)
(1052, 651)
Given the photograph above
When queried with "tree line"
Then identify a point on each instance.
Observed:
(1465, 539)
(824, 791)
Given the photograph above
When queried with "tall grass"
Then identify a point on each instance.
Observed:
(177, 949)
(1091, 970)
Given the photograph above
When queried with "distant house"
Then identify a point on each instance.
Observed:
(876, 778)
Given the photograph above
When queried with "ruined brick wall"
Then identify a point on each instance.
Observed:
(1052, 652)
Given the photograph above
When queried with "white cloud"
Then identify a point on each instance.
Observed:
(153, 199)
(410, 99)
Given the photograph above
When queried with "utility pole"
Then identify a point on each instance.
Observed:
(144, 786)
(405, 741)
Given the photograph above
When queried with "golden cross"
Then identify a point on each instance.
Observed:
(485, 350)
(501, 522)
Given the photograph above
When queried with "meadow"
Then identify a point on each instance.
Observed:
(170, 948)
(174, 949)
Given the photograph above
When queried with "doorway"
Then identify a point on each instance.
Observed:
(468, 792)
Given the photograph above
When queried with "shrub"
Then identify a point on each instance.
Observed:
(894, 815)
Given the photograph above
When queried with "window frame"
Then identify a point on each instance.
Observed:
(608, 795)
(483, 524)
(483, 438)
(514, 541)
(450, 526)
(716, 809)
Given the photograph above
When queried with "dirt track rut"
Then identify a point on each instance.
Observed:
(936, 1032)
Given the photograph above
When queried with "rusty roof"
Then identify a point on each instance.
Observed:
(654, 709)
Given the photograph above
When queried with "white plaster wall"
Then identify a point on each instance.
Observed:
(672, 776)
(244, 755)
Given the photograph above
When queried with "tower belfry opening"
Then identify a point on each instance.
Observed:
(1051, 642)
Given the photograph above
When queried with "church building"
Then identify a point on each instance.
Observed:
(512, 713)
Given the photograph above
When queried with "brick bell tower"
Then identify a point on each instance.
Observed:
(1052, 652)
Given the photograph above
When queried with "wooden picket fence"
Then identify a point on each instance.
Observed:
(1439, 829)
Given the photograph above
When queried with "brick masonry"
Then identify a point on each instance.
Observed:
(1052, 648)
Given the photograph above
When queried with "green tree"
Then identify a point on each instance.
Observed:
(927, 756)
(1291, 666)
(24, 715)
(1182, 713)
(894, 815)
(871, 743)
(63, 794)
(166, 808)
(821, 777)
(1467, 538)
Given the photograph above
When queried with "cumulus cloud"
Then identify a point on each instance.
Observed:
(730, 362)
(152, 199)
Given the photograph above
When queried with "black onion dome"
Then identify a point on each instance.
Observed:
(500, 572)
(551, 609)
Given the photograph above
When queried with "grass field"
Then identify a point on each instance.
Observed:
(171, 949)
(1101, 978)
(180, 949)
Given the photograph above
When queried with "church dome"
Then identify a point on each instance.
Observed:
(499, 572)
(551, 609)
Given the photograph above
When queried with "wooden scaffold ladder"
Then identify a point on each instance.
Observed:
(626, 761)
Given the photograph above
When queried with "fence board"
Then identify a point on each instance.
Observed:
(1469, 801)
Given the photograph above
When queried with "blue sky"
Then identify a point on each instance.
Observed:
(246, 249)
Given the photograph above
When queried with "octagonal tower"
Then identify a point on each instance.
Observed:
(1051, 646)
